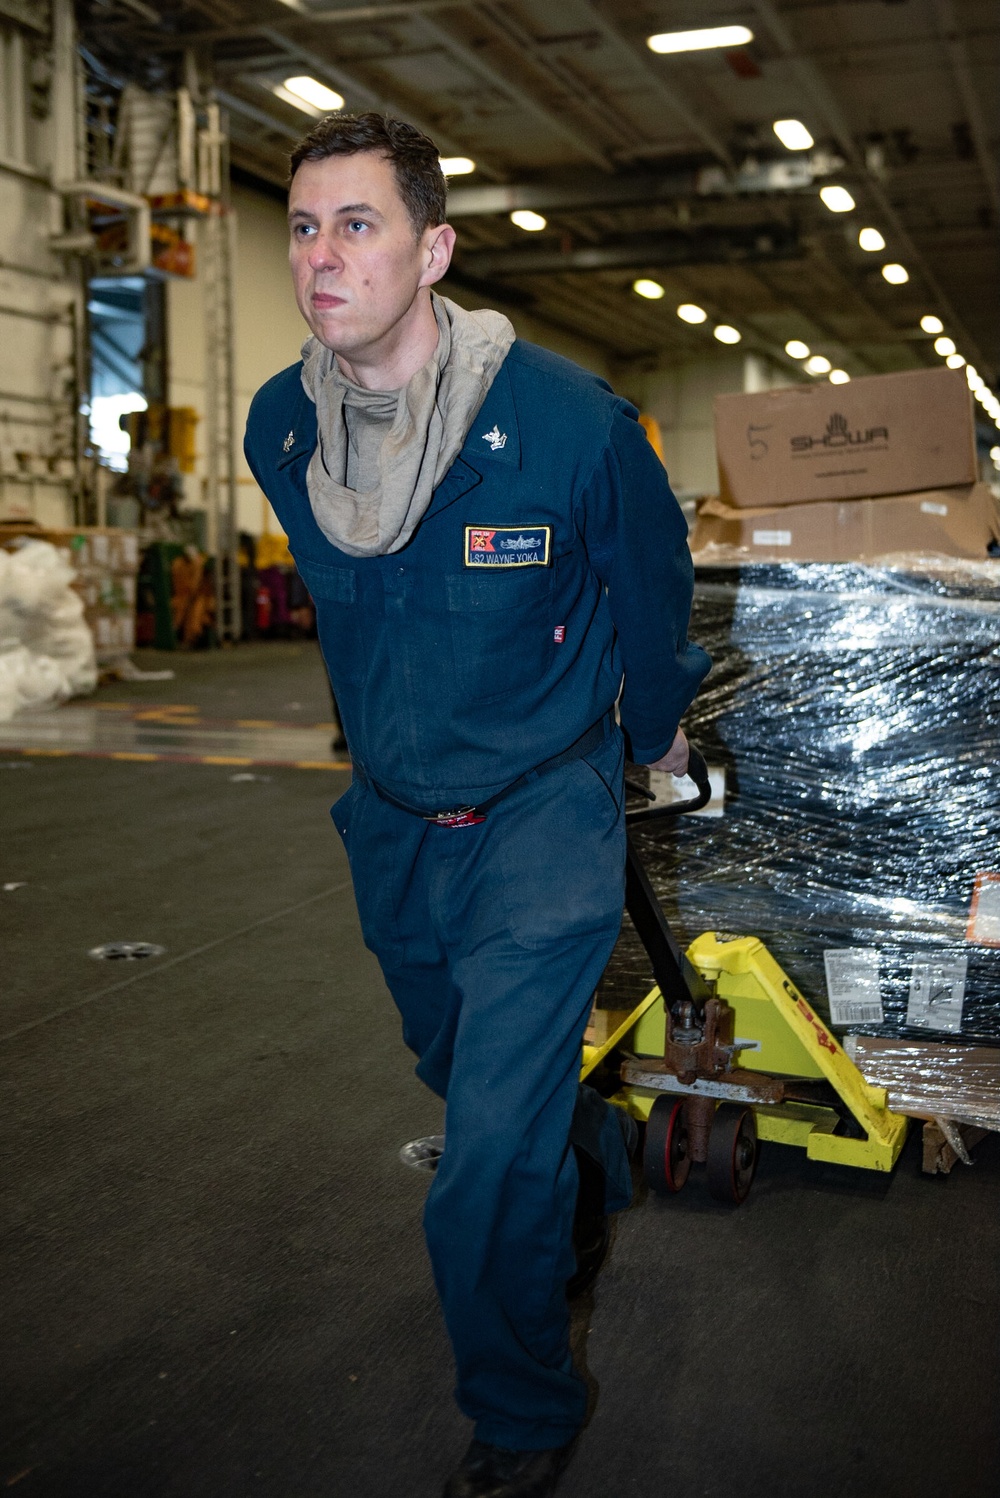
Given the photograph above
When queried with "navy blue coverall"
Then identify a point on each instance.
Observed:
(553, 558)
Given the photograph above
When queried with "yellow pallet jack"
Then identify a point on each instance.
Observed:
(724, 1052)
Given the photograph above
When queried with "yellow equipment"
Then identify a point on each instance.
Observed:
(732, 1055)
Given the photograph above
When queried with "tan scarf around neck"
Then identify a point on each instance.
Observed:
(431, 417)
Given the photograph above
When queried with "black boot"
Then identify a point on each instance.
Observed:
(494, 1472)
(591, 1225)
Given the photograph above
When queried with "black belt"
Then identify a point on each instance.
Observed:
(469, 816)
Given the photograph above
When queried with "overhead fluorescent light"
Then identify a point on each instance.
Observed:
(651, 290)
(457, 166)
(839, 377)
(871, 239)
(837, 199)
(725, 334)
(818, 364)
(932, 324)
(954, 361)
(896, 275)
(306, 90)
(796, 349)
(944, 346)
(525, 219)
(973, 377)
(793, 135)
(701, 40)
(688, 312)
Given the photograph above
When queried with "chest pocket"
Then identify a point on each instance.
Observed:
(501, 628)
(338, 614)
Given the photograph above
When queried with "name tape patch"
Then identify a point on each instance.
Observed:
(507, 545)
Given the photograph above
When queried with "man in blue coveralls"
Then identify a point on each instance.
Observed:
(492, 547)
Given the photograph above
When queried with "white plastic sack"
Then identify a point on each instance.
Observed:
(46, 647)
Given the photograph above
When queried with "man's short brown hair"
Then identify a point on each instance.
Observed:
(414, 158)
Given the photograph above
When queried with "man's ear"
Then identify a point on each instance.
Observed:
(438, 246)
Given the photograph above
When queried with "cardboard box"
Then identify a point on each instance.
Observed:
(882, 434)
(958, 522)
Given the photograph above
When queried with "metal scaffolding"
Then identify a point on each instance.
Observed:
(218, 235)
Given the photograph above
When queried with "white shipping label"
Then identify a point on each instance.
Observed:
(852, 985)
(929, 507)
(772, 538)
(667, 788)
(937, 991)
(984, 918)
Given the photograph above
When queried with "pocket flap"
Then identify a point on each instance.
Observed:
(334, 583)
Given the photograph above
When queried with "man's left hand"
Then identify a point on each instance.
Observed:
(675, 761)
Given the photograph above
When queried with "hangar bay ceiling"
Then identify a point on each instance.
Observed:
(628, 165)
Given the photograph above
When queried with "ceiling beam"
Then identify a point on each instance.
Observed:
(816, 89)
(355, 13)
(550, 118)
(706, 247)
(332, 73)
(604, 118)
(764, 178)
(668, 95)
(259, 116)
(959, 57)
(290, 17)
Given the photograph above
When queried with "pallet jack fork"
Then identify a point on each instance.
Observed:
(724, 1052)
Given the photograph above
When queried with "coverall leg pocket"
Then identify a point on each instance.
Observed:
(562, 857)
(374, 854)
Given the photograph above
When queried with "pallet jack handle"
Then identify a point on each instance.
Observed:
(697, 771)
(676, 977)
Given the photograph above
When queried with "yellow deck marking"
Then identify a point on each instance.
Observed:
(169, 714)
(256, 723)
(132, 754)
(224, 759)
(321, 764)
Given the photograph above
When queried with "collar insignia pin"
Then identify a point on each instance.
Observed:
(288, 443)
(496, 438)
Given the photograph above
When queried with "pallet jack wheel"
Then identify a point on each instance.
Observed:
(665, 1158)
(732, 1153)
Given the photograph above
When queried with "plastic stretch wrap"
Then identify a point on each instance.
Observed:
(46, 648)
(933, 1079)
(857, 713)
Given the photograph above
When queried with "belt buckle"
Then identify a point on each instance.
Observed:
(461, 816)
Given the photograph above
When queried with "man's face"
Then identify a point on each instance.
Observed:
(357, 264)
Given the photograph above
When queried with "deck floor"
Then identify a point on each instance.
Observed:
(213, 1277)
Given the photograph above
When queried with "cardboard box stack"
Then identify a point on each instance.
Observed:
(106, 562)
(881, 466)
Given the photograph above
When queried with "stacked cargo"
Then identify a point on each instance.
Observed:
(883, 466)
(848, 591)
(105, 562)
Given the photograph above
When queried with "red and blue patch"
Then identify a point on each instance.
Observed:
(507, 545)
